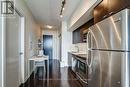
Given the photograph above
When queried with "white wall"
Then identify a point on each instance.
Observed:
(32, 33)
(66, 43)
(82, 14)
(1, 53)
(54, 33)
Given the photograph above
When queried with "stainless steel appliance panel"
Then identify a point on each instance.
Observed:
(125, 69)
(79, 67)
(104, 69)
(115, 68)
(126, 29)
(111, 33)
(94, 69)
(109, 52)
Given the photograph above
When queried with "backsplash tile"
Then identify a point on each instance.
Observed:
(82, 47)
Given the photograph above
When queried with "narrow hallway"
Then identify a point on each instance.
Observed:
(65, 43)
(57, 77)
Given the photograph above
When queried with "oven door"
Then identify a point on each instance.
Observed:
(82, 73)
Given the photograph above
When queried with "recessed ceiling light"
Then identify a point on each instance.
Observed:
(48, 26)
(61, 16)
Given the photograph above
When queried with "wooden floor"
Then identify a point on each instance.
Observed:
(54, 77)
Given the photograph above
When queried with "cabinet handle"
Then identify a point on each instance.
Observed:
(111, 13)
(105, 16)
(21, 53)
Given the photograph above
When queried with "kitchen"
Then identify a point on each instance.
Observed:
(89, 44)
(106, 59)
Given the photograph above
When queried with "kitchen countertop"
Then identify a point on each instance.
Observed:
(80, 55)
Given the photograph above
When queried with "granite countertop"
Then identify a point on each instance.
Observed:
(80, 55)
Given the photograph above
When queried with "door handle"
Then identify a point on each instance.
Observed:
(21, 53)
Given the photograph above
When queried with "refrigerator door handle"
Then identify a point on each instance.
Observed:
(89, 43)
(87, 59)
(89, 62)
(89, 40)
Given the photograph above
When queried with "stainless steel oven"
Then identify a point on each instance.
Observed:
(79, 67)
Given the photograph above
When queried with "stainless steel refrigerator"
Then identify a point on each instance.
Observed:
(109, 52)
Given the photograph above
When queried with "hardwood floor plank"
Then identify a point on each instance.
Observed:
(54, 77)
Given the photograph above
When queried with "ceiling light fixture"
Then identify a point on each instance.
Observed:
(48, 26)
(61, 15)
(62, 8)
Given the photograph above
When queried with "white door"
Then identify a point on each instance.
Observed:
(21, 51)
(13, 51)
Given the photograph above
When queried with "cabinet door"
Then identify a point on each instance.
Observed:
(84, 35)
(76, 36)
(101, 11)
(70, 59)
(117, 5)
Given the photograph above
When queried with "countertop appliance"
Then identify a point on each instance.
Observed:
(109, 52)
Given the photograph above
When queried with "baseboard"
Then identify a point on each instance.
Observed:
(28, 76)
(25, 84)
(22, 85)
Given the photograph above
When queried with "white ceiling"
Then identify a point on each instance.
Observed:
(46, 12)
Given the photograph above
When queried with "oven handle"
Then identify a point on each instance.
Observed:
(81, 78)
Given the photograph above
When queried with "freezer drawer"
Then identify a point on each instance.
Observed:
(105, 69)
(94, 72)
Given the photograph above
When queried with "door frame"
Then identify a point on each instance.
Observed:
(22, 47)
(3, 56)
(52, 43)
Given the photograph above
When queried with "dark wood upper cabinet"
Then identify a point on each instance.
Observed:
(117, 5)
(80, 34)
(76, 36)
(108, 7)
(101, 11)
